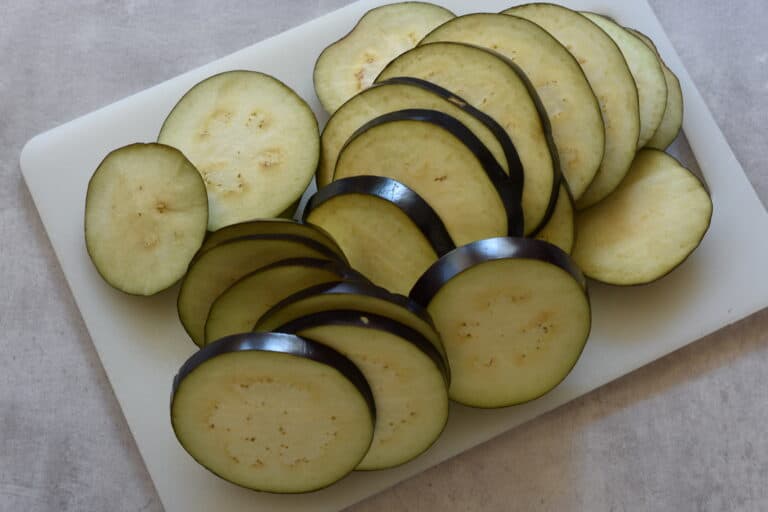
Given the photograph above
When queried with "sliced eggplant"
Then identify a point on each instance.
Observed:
(216, 269)
(238, 307)
(353, 296)
(611, 80)
(647, 227)
(497, 87)
(647, 72)
(441, 160)
(514, 317)
(273, 412)
(365, 214)
(271, 227)
(672, 121)
(391, 96)
(145, 217)
(573, 110)
(349, 65)
(254, 140)
(407, 375)
(401, 93)
(560, 230)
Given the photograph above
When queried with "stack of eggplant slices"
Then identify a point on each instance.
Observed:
(474, 171)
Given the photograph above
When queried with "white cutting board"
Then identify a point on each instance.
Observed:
(141, 343)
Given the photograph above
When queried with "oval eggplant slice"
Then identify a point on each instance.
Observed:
(254, 140)
(216, 269)
(390, 97)
(273, 412)
(238, 307)
(406, 373)
(441, 160)
(647, 227)
(401, 93)
(611, 80)
(647, 72)
(271, 227)
(560, 230)
(573, 110)
(514, 317)
(672, 121)
(353, 296)
(349, 65)
(497, 87)
(366, 213)
(145, 217)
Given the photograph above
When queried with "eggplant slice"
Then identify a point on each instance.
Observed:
(145, 216)
(407, 375)
(402, 93)
(271, 227)
(573, 110)
(273, 412)
(647, 227)
(498, 88)
(349, 65)
(561, 229)
(254, 140)
(672, 121)
(513, 314)
(240, 306)
(365, 214)
(611, 80)
(352, 296)
(647, 72)
(216, 269)
(441, 160)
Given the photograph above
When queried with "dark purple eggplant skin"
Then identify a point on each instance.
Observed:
(230, 233)
(353, 288)
(516, 174)
(395, 192)
(280, 343)
(370, 321)
(490, 249)
(501, 182)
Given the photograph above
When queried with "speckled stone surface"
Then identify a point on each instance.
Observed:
(687, 433)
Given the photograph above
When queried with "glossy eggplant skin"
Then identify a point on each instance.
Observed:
(516, 175)
(395, 192)
(372, 321)
(355, 288)
(467, 256)
(281, 343)
(506, 189)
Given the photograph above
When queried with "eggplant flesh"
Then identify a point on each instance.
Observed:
(238, 307)
(647, 227)
(442, 161)
(353, 296)
(407, 375)
(569, 101)
(498, 88)
(218, 268)
(349, 65)
(273, 412)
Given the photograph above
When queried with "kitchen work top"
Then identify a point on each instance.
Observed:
(684, 433)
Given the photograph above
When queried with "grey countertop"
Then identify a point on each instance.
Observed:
(687, 432)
